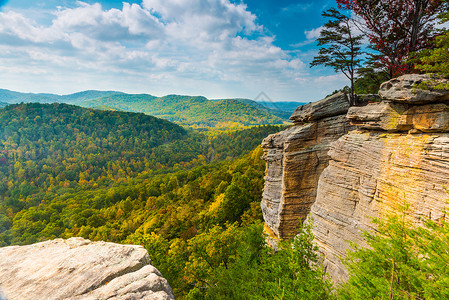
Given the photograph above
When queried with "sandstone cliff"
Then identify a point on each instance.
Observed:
(400, 154)
(79, 269)
(295, 159)
(393, 152)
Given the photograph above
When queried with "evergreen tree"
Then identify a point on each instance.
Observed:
(340, 47)
(401, 262)
(436, 60)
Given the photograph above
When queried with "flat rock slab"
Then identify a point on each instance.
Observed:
(395, 117)
(402, 89)
(80, 269)
(331, 106)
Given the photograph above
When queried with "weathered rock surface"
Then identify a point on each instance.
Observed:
(394, 117)
(402, 89)
(373, 173)
(295, 159)
(398, 154)
(334, 105)
(80, 269)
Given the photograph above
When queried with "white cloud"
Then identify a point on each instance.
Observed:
(295, 8)
(314, 33)
(209, 47)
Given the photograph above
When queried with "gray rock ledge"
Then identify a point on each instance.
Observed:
(80, 269)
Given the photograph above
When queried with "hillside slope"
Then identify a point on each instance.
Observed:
(190, 110)
(50, 146)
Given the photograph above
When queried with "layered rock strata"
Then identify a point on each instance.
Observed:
(79, 269)
(295, 159)
(399, 155)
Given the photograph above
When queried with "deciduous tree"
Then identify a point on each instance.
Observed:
(396, 28)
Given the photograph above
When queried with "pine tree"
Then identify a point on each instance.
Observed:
(401, 262)
(340, 47)
(436, 60)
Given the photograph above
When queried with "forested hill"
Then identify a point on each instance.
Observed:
(43, 146)
(195, 111)
(12, 97)
(191, 110)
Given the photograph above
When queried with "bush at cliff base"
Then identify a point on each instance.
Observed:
(402, 262)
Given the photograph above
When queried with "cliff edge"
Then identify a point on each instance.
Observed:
(399, 155)
(295, 159)
(79, 269)
(347, 165)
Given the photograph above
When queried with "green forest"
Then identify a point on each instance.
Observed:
(191, 199)
(126, 177)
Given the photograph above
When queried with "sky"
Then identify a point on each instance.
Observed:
(213, 48)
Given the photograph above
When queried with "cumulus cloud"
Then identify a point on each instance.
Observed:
(314, 33)
(193, 44)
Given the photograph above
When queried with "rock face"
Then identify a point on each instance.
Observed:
(399, 155)
(372, 173)
(295, 159)
(396, 117)
(79, 269)
(393, 152)
(334, 105)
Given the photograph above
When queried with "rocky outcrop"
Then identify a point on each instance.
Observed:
(331, 106)
(397, 117)
(400, 154)
(295, 159)
(402, 89)
(79, 269)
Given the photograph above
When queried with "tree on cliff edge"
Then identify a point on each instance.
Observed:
(340, 47)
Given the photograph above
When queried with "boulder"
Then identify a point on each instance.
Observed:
(80, 269)
(402, 89)
(430, 118)
(388, 116)
(331, 106)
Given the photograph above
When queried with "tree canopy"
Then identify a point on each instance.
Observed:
(396, 28)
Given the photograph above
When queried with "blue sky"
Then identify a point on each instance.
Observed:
(214, 48)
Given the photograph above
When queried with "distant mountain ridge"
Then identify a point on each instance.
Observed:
(11, 97)
(196, 111)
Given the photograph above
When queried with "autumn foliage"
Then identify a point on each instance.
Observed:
(396, 28)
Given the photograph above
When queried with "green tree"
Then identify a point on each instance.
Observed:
(340, 47)
(258, 272)
(436, 60)
(401, 262)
